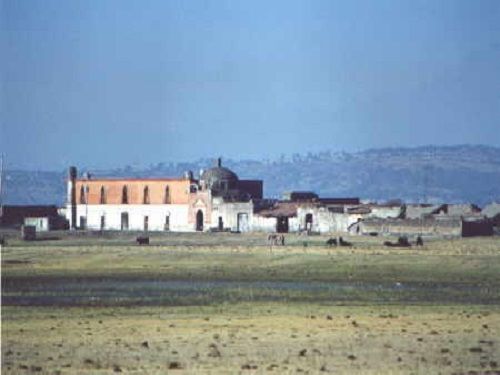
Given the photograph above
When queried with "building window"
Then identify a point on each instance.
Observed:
(146, 223)
(82, 195)
(103, 222)
(145, 198)
(166, 198)
(103, 196)
(125, 195)
(124, 221)
(167, 223)
(83, 222)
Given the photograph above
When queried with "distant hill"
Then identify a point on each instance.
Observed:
(435, 174)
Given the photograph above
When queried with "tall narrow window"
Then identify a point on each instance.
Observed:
(125, 195)
(103, 195)
(124, 221)
(82, 195)
(166, 199)
(83, 222)
(145, 199)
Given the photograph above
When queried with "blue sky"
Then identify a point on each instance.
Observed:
(113, 82)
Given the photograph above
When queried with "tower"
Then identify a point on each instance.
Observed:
(72, 174)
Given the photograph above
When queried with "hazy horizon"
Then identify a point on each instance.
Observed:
(86, 167)
(112, 83)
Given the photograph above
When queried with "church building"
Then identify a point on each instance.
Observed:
(218, 200)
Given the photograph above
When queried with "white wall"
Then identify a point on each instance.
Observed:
(40, 223)
(385, 212)
(268, 224)
(156, 216)
(229, 212)
(263, 224)
(325, 221)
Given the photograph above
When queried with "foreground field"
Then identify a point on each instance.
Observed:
(261, 338)
(79, 306)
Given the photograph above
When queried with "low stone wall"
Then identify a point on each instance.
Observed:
(428, 227)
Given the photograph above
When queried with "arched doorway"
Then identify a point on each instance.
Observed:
(199, 221)
(282, 224)
(309, 222)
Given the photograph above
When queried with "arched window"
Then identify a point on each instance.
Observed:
(82, 195)
(145, 198)
(125, 195)
(166, 198)
(102, 200)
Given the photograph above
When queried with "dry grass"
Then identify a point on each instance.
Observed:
(256, 338)
(427, 337)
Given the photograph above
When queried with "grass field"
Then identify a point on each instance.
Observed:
(229, 305)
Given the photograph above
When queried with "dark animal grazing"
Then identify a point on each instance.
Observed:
(331, 242)
(402, 242)
(420, 241)
(344, 243)
(142, 240)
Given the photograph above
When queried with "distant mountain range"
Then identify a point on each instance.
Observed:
(451, 174)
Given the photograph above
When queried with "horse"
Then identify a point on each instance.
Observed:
(276, 240)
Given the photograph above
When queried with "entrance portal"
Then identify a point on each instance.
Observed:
(199, 221)
(282, 224)
(309, 222)
(243, 222)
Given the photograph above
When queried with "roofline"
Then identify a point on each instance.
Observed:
(117, 179)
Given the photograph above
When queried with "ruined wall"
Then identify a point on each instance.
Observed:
(229, 212)
(430, 227)
(385, 212)
(325, 221)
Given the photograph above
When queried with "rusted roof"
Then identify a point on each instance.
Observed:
(339, 200)
(280, 209)
(359, 210)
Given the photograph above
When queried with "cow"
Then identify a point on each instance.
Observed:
(142, 240)
(344, 243)
(402, 242)
(331, 242)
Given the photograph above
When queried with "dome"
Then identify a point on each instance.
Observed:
(219, 179)
(219, 173)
